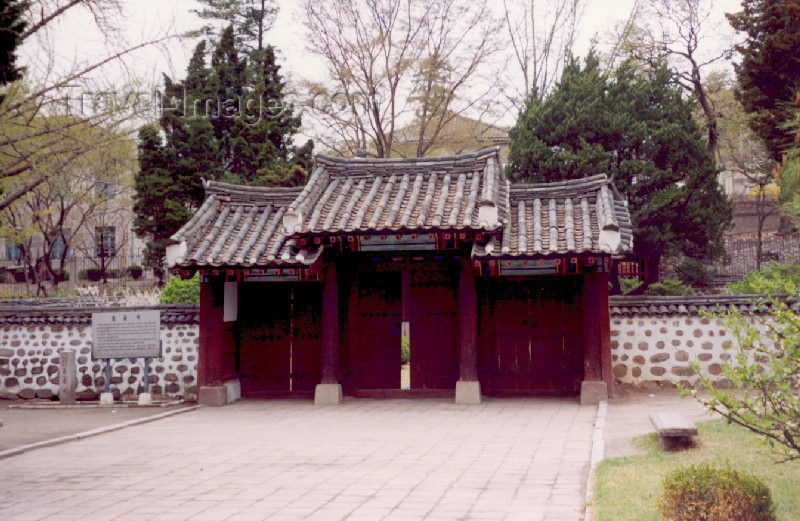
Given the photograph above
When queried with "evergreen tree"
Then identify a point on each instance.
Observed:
(636, 128)
(251, 19)
(769, 72)
(12, 25)
(219, 123)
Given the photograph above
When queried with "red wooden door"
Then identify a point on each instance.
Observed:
(264, 355)
(378, 330)
(306, 337)
(434, 329)
(533, 336)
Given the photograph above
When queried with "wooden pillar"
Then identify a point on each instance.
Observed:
(209, 356)
(604, 319)
(330, 327)
(592, 370)
(468, 322)
(597, 331)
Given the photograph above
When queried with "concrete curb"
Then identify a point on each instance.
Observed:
(597, 455)
(94, 432)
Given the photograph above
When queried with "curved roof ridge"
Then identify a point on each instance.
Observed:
(218, 187)
(589, 183)
(484, 152)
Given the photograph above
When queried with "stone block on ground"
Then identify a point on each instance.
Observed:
(468, 392)
(593, 392)
(328, 394)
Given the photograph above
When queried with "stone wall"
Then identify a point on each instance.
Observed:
(31, 340)
(654, 339)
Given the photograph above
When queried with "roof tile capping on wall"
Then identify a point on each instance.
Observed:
(654, 339)
(33, 336)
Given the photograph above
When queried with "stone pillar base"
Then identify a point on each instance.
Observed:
(468, 392)
(593, 392)
(328, 394)
(145, 399)
(106, 399)
(220, 395)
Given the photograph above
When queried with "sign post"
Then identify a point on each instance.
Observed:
(126, 334)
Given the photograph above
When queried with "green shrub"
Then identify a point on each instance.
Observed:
(704, 493)
(405, 350)
(695, 272)
(772, 279)
(135, 271)
(178, 291)
(668, 287)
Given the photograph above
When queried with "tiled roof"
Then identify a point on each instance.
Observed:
(622, 305)
(419, 194)
(241, 226)
(576, 216)
(258, 226)
(12, 315)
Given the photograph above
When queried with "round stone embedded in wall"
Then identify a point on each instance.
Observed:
(642, 346)
(715, 369)
(697, 333)
(620, 370)
(707, 345)
(660, 344)
(679, 332)
(724, 356)
(624, 358)
(647, 332)
(676, 343)
(636, 372)
(682, 370)
(657, 371)
(638, 359)
(705, 357)
(660, 357)
(681, 356)
(627, 345)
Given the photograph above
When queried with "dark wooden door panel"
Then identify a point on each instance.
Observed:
(379, 317)
(264, 342)
(434, 329)
(306, 341)
(532, 331)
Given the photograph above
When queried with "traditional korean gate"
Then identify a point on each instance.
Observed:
(531, 340)
(378, 330)
(279, 338)
(434, 329)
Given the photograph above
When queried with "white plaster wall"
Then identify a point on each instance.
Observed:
(660, 348)
(29, 362)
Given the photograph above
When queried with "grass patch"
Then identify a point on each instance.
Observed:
(628, 489)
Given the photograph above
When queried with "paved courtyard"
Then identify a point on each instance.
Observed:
(524, 459)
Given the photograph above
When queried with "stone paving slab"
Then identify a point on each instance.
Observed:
(25, 426)
(286, 460)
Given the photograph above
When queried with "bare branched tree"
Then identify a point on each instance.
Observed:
(392, 62)
(34, 142)
(542, 34)
(682, 32)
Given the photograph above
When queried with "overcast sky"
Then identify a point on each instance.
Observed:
(74, 40)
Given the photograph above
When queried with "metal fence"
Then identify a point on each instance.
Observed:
(81, 276)
(740, 252)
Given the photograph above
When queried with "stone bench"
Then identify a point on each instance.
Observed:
(674, 430)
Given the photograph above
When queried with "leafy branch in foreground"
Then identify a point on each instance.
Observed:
(764, 374)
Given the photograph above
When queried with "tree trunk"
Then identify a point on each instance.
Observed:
(652, 263)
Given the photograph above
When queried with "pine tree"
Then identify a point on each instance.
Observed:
(251, 19)
(769, 72)
(637, 129)
(209, 132)
(12, 25)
